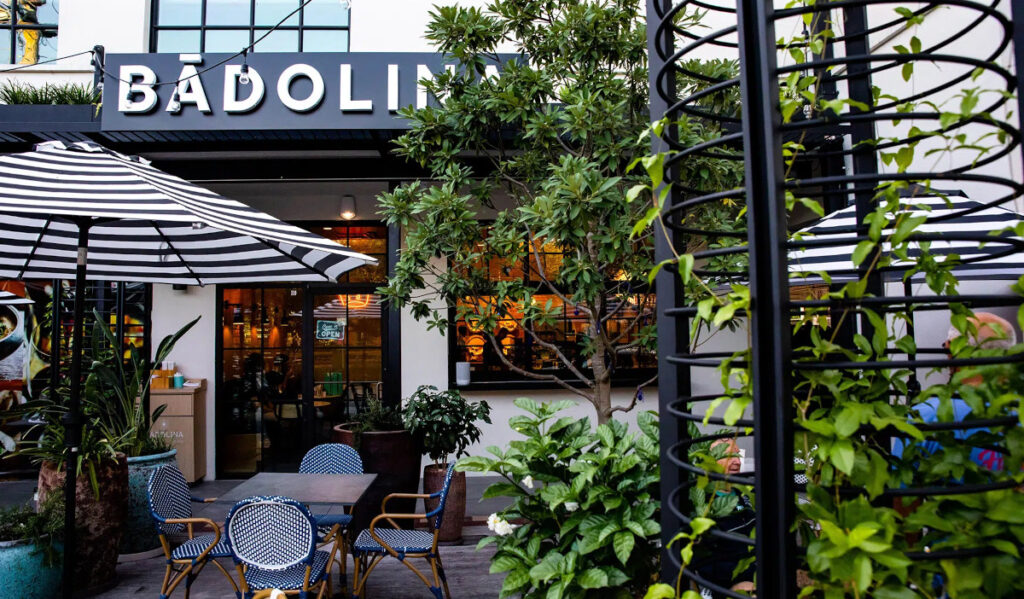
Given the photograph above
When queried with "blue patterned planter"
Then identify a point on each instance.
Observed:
(23, 575)
(139, 535)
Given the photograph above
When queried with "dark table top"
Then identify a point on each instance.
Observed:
(331, 489)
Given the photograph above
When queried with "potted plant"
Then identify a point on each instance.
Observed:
(114, 390)
(389, 451)
(101, 487)
(30, 549)
(444, 424)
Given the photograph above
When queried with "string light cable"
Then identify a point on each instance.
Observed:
(243, 53)
(26, 66)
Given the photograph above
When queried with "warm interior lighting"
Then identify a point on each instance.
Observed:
(348, 207)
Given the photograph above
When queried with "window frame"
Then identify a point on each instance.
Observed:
(514, 381)
(254, 30)
(14, 27)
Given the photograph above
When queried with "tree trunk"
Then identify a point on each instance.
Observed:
(602, 388)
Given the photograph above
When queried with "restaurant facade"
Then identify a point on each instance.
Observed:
(301, 126)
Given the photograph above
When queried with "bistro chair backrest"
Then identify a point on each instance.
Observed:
(271, 533)
(438, 512)
(331, 458)
(169, 497)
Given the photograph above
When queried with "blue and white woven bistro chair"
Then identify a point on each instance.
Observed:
(380, 541)
(170, 505)
(333, 458)
(273, 542)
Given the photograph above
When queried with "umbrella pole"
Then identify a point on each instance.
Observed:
(72, 419)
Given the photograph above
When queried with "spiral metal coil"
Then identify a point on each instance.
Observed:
(844, 157)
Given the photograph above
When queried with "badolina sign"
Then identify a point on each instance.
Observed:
(284, 91)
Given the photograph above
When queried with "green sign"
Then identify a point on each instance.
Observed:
(331, 330)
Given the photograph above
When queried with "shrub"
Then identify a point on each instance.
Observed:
(13, 92)
(443, 422)
(591, 529)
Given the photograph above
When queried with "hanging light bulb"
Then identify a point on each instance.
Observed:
(175, 104)
(345, 4)
(244, 77)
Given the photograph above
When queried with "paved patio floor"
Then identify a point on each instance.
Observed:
(466, 569)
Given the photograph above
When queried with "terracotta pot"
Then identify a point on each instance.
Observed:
(98, 520)
(454, 507)
(395, 458)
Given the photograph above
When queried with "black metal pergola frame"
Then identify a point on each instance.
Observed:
(767, 246)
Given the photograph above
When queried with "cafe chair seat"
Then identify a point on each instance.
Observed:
(273, 542)
(385, 538)
(402, 541)
(170, 506)
(333, 458)
(194, 547)
(289, 578)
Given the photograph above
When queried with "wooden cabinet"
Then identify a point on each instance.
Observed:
(184, 422)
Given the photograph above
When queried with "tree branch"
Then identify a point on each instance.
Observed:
(636, 395)
(536, 375)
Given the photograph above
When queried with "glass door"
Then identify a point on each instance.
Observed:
(259, 419)
(347, 356)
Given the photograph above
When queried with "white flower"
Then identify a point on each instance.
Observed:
(571, 506)
(500, 526)
(528, 481)
(503, 528)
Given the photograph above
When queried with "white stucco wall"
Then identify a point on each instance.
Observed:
(194, 355)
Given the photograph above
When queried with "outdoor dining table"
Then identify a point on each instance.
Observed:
(323, 493)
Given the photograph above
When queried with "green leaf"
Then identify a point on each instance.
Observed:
(623, 543)
(516, 579)
(842, 456)
(660, 591)
(593, 578)
(503, 562)
(861, 252)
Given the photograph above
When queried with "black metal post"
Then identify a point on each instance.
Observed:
(1017, 12)
(72, 419)
(99, 57)
(862, 134)
(392, 391)
(770, 359)
(673, 332)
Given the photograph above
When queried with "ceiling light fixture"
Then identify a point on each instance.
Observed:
(347, 210)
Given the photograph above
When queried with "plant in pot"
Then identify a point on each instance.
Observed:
(101, 485)
(387, 450)
(445, 424)
(30, 548)
(113, 395)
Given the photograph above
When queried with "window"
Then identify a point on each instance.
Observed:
(230, 25)
(630, 313)
(28, 30)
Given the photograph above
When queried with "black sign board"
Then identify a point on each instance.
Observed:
(277, 91)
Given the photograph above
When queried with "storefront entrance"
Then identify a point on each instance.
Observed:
(296, 360)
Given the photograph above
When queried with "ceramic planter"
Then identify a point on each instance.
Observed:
(395, 458)
(139, 535)
(23, 574)
(99, 520)
(455, 505)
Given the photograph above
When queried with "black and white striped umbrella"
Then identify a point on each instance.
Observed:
(87, 212)
(971, 227)
(145, 225)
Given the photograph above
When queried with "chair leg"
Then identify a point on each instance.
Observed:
(226, 575)
(436, 589)
(444, 579)
(167, 580)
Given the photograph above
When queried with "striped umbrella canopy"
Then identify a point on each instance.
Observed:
(10, 299)
(145, 225)
(84, 211)
(974, 232)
